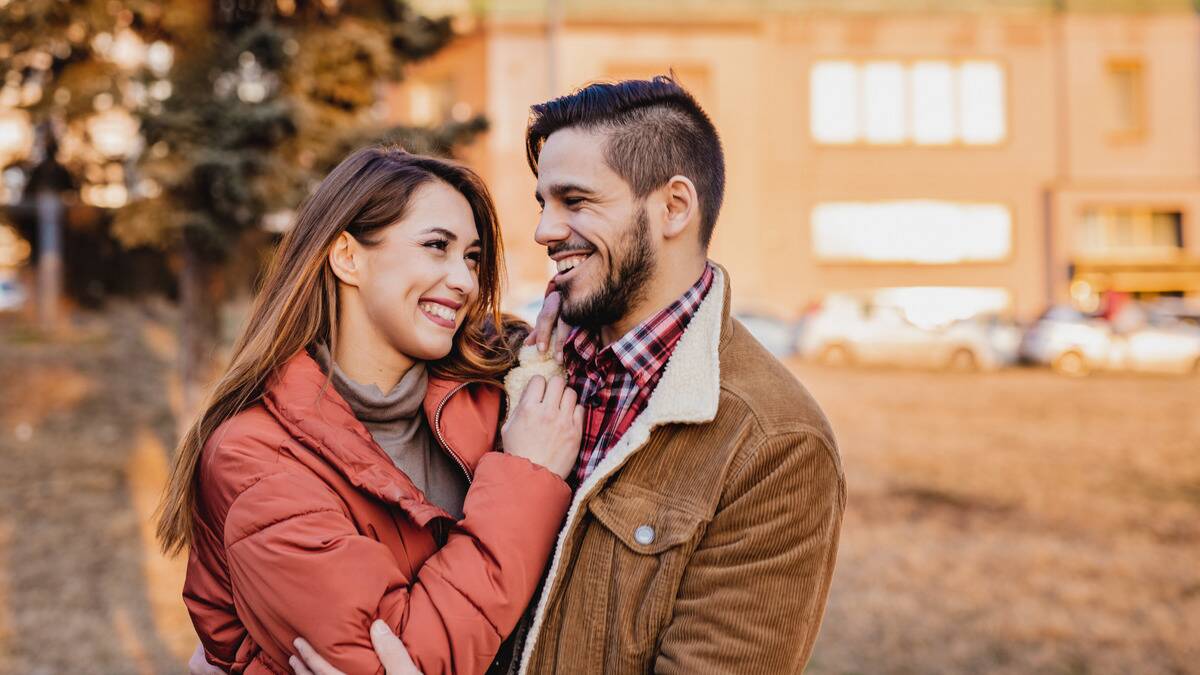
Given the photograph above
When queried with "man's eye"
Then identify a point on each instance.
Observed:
(572, 202)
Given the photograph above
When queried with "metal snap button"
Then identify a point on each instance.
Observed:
(644, 535)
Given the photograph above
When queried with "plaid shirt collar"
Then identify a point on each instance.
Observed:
(645, 349)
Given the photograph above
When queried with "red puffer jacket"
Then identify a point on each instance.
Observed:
(306, 528)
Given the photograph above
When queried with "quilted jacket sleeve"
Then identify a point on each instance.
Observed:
(298, 567)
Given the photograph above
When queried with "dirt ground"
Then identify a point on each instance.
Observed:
(1016, 522)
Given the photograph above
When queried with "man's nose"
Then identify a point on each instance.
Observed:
(551, 228)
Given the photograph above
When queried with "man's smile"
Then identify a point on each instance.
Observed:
(566, 262)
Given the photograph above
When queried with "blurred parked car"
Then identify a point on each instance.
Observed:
(1076, 344)
(778, 336)
(12, 295)
(1180, 309)
(851, 329)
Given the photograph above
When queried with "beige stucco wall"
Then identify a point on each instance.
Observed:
(752, 77)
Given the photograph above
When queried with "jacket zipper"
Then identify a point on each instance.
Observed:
(437, 426)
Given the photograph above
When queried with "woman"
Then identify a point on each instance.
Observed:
(344, 470)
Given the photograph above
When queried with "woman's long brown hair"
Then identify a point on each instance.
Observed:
(297, 304)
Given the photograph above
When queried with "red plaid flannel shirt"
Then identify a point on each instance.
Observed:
(615, 382)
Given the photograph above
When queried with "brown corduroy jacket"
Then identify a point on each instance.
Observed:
(705, 540)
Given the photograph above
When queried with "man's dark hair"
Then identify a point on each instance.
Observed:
(655, 130)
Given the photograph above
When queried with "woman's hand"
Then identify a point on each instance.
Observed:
(546, 426)
(549, 331)
(392, 655)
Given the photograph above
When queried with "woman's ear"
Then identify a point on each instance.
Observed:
(682, 205)
(345, 257)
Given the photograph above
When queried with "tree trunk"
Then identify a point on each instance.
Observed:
(199, 327)
(50, 262)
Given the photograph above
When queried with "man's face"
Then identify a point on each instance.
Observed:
(594, 229)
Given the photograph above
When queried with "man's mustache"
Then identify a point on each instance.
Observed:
(569, 247)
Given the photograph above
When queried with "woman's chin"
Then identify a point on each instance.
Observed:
(432, 350)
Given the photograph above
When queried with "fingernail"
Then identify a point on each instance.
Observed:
(297, 642)
(380, 628)
(541, 346)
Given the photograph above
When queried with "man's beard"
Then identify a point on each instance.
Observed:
(629, 270)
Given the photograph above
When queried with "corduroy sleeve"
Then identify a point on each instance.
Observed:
(753, 594)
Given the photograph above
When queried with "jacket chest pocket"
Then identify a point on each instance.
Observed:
(647, 542)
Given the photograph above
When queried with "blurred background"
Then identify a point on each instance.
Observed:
(971, 228)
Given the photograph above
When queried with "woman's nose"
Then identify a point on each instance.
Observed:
(461, 279)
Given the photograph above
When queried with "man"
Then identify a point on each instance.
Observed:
(709, 492)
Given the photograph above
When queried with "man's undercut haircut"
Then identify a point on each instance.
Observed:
(655, 130)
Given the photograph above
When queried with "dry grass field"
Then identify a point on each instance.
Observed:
(1016, 522)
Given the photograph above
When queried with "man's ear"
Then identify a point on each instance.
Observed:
(682, 206)
(345, 257)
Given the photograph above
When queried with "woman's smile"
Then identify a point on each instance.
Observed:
(443, 313)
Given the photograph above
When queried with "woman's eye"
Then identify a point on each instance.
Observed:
(473, 259)
(439, 244)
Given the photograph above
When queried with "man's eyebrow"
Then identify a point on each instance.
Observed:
(449, 235)
(558, 190)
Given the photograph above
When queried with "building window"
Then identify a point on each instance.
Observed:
(1126, 85)
(1130, 232)
(911, 231)
(894, 102)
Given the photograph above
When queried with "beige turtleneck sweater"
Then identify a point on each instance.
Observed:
(397, 423)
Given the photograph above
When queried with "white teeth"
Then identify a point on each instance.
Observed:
(570, 263)
(440, 311)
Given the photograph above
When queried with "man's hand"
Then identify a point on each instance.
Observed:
(392, 655)
(199, 665)
(549, 328)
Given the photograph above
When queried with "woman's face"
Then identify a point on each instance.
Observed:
(420, 280)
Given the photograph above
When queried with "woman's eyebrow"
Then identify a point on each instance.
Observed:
(442, 231)
(449, 235)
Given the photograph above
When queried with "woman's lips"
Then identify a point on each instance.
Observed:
(438, 313)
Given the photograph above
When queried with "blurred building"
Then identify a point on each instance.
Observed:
(1030, 151)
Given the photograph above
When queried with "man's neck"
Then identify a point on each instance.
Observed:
(666, 288)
